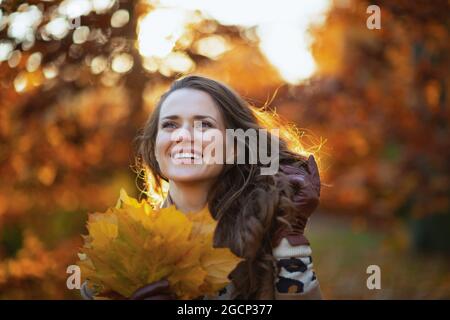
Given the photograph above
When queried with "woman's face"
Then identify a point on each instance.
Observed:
(187, 121)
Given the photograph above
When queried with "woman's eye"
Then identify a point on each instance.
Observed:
(206, 124)
(168, 125)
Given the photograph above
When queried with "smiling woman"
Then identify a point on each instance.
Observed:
(175, 150)
(261, 218)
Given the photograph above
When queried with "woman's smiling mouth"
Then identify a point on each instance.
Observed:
(186, 155)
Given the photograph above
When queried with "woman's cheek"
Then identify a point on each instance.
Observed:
(162, 145)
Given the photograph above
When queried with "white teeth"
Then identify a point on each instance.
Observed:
(186, 155)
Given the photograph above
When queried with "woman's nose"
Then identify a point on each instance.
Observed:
(184, 133)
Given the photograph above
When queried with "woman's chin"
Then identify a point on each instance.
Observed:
(187, 173)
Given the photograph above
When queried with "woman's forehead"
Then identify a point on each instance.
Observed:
(188, 102)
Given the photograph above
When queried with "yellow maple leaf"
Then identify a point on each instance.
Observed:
(133, 244)
(102, 228)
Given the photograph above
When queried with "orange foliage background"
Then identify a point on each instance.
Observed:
(376, 111)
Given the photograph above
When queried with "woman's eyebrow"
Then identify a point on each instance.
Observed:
(171, 117)
(204, 117)
(196, 117)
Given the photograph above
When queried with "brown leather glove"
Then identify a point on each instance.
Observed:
(306, 183)
(158, 290)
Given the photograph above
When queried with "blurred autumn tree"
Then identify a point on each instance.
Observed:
(73, 95)
(381, 97)
(72, 98)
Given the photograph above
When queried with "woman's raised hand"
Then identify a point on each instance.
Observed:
(305, 181)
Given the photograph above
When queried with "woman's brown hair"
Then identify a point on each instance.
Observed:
(248, 206)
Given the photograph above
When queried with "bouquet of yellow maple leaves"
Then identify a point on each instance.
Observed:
(134, 244)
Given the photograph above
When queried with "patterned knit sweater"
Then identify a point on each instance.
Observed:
(295, 277)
